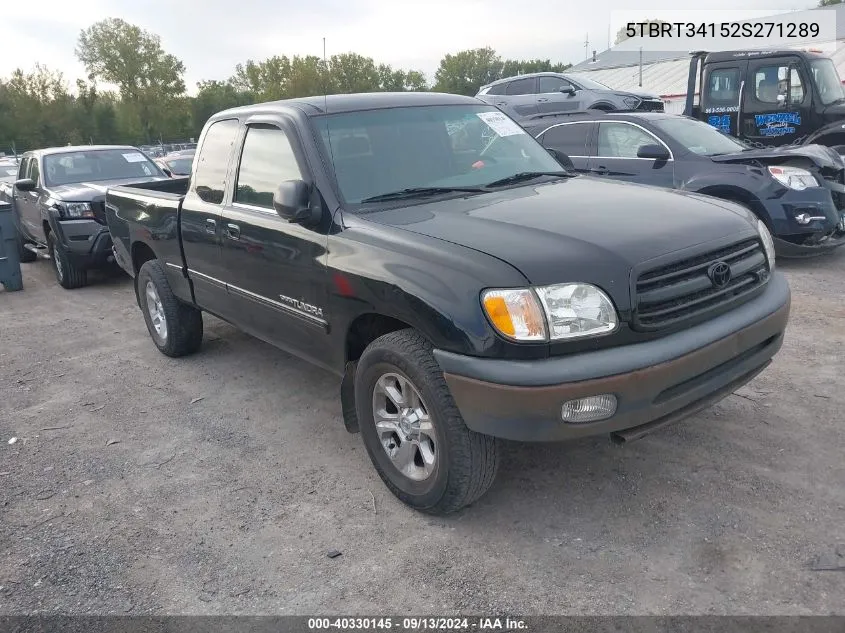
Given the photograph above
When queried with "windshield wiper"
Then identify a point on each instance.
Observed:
(527, 175)
(420, 192)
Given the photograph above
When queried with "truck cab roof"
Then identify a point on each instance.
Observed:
(726, 56)
(318, 105)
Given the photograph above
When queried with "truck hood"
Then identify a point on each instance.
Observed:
(823, 157)
(95, 190)
(581, 228)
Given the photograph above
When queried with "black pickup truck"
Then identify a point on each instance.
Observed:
(463, 290)
(58, 204)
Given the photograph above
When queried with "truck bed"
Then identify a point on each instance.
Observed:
(149, 210)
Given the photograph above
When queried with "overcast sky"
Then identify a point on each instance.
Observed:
(211, 36)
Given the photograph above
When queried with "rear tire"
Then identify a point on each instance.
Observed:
(447, 466)
(68, 275)
(176, 328)
(25, 255)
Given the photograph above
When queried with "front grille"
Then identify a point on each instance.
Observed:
(651, 106)
(675, 293)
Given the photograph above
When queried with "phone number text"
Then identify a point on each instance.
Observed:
(762, 30)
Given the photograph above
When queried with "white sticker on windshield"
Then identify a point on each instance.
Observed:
(12, 172)
(135, 157)
(502, 125)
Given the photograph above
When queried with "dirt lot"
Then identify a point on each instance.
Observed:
(217, 483)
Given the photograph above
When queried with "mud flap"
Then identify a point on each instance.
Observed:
(347, 398)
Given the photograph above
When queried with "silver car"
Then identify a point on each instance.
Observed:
(547, 93)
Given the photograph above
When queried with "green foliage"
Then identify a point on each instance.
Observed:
(829, 3)
(135, 90)
(466, 71)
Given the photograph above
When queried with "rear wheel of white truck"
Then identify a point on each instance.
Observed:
(412, 430)
(176, 328)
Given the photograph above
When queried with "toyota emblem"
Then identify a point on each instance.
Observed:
(720, 274)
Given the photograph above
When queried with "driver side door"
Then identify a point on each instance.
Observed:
(551, 99)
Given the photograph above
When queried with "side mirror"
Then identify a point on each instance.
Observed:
(561, 158)
(568, 90)
(25, 184)
(167, 172)
(655, 151)
(292, 202)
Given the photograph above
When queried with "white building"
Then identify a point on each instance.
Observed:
(665, 73)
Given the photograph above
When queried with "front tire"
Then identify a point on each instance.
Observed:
(176, 328)
(413, 431)
(68, 275)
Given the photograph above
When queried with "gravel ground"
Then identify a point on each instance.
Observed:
(216, 484)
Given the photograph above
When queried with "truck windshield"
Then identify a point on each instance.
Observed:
(827, 81)
(698, 137)
(377, 152)
(93, 165)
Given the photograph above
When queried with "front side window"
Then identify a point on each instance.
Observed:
(267, 160)
(778, 85)
(95, 165)
(213, 163)
(620, 140)
(553, 84)
(376, 152)
(34, 173)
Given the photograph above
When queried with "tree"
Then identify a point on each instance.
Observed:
(622, 35)
(829, 3)
(148, 78)
(464, 72)
(212, 97)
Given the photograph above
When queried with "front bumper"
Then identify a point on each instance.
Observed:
(655, 383)
(802, 240)
(87, 243)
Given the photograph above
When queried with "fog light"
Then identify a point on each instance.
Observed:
(589, 409)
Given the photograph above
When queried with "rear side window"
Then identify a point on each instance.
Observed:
(571, 139)
(723, 86)
(213, 161)
(267, 161)
(521, 87)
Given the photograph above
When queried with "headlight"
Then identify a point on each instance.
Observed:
(631, 102)
(515, 313)
(77, 209)
(768, 243)
(575, 310)
(793, 177)
(564, 311)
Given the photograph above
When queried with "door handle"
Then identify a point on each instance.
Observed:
(233, 231)
(542, 99)
(211, 226)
